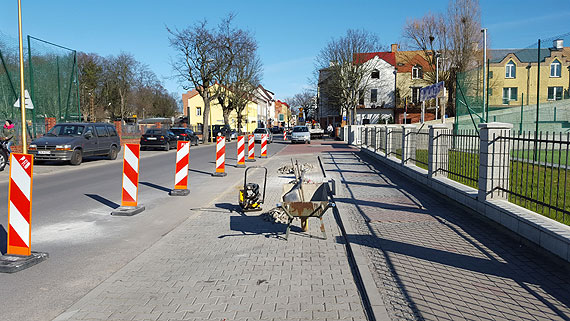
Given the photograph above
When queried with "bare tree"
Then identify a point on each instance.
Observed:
(195, 63)
(347, 74)
(239, 77)
(90, 74)
(455, 35)
(306, 100)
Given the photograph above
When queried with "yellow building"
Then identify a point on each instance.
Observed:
(513, 75)
(194, 109)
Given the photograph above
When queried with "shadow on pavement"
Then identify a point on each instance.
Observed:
(158, 187)
(230, 207)
(200, 172)
(103, 200)
(255, 225)
(500, 254)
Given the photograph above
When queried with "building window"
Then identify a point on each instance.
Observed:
(509, 93)
(490, 91)
(554, 93)
(373, 95)
(490, 74)
(555, 68)
(198, 111)
(416, 94)
(511, 70)
(375, 74)
(417, 72)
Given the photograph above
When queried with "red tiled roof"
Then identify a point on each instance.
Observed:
(389, 57)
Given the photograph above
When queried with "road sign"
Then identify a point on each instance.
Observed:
(28, 99)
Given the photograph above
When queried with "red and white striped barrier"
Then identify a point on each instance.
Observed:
(220, 156)
(181, 174)
(284, 135)
(251, 148)
(264, 146)
(20, 204)
(130, 175)
(240, 152)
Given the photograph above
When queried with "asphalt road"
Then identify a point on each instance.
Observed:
(71, 221)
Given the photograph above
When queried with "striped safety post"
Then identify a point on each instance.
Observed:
(20, 204)
(220, 157)
(264, 146)
(241, 152)
(181, 172)
(251, 148)
(130, 191)
(284, 135)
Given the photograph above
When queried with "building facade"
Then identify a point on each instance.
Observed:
(513, 75)
(194, 110)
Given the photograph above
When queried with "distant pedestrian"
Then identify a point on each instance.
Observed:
(330, 130)
(8, 134)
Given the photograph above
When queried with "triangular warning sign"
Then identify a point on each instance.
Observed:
(29, 104)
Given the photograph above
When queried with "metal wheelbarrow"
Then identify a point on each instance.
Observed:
(306, 200)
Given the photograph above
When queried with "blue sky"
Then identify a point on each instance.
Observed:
(290, 33)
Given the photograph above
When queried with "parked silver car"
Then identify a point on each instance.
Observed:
(262, 131)
(301, 134)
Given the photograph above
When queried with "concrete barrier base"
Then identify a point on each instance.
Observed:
(128, 210)
(250, 160)
(240, 166)
(15, 263)
(179, 192)
(218, 174)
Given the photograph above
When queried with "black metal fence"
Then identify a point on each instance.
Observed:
(459, 155)
(396, 143)
(537, 178)
(419, 145)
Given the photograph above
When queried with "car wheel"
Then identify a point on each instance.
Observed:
(76, 157)
(113, 153)
(3, 159)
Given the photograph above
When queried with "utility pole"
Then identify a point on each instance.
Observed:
(22, 89)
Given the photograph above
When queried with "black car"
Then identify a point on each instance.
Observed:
(158, 138)
(224, 130)
(74, 141)
(185, 134)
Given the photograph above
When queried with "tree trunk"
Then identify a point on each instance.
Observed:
(205, 117)
(122, 106)
(226, 114)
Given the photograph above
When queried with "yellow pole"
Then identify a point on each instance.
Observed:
(22, 90)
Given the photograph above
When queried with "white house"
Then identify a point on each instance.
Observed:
(377, 96)
(265, 106)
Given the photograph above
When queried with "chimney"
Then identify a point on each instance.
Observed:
(558, 44)
(394, 47)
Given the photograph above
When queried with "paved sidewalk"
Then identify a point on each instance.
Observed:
(433, 260)
(220, 265)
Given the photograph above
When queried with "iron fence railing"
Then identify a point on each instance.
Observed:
(459, 156)
(419, 145)
(537, 178)
(396, 143)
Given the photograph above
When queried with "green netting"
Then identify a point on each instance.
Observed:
(50, 75)
(516, 98)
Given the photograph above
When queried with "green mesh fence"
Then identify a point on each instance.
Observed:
(50, 75)
(521, 84)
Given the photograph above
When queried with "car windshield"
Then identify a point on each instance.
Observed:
(300, 129)
(260, 131)
(178, 130)
(154, 132)
(66, 130)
